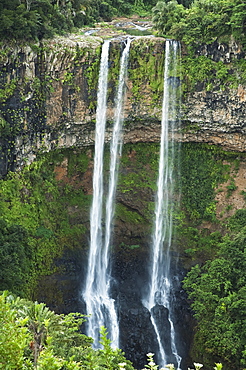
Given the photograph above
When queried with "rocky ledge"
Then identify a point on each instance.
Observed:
(49, 93)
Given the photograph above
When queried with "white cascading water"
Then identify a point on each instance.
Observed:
(99, 305)
(116, 146)
(159, 292)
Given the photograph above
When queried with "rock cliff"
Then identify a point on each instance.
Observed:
(48, 97)
(215, 113)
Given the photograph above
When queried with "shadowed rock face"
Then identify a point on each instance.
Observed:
(137, 335)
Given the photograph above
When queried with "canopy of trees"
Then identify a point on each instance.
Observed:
(187, 20)
(203, 22)
(218, 293)
(36, 19)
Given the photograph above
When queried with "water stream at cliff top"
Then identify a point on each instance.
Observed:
(99, 304)
(158, 298)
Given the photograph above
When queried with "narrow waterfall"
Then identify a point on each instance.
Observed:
(96, 294)
(98, 303)
(116, 146)
(158, 298)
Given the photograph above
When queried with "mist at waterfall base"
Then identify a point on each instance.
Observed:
(117, 292)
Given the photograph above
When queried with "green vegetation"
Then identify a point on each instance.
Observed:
(33, 337)
(217, 291)
(36, 226)
(152, 365)
(23, 98)
(33, 20)
(127, 215)
(202, 170)
(44, 211)
(15, 256)
(38, 19)
(209, 74)
(34, 222)
(203, 22)
(215, 286)
(146, 67)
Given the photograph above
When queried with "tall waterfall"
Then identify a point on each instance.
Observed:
(99, 305)
(116, 146)
(158, 298)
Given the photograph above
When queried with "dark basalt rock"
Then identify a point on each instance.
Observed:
(221, 51)
(137, 334)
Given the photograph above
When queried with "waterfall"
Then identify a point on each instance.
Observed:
(95, 294)
(158, 298)
(116, 145)
(99, 305)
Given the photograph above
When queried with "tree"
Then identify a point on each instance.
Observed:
(32, 336)
(165, 15)
(204, 21)
(14, 337)
(218, 294)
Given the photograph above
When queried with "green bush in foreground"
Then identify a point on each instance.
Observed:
(34, 337)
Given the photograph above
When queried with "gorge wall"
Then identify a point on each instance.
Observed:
(47, 121)
(48, 96)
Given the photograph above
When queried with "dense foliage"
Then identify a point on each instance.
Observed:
(34, 224)
(33, 337)
(15, 256)
(217, 290)
(36, 19)
(216, 284)
(203, 22)
(200, 175)
(35, 228)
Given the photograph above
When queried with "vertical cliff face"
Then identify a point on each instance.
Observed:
(215, 102)
(43, 86)
(48, 95)
(47, 111)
